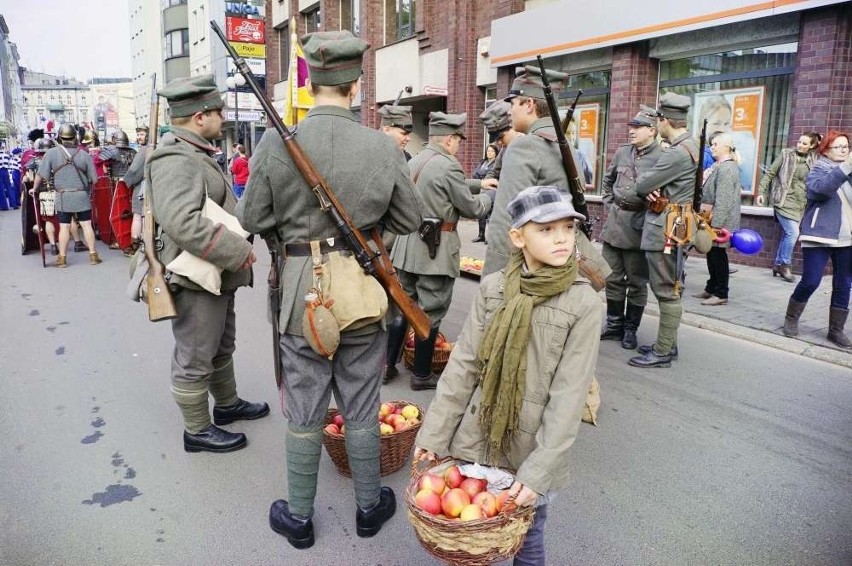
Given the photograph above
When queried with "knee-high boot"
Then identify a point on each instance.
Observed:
(614, 329)
(424, 350)
(396, 339)
(631, 324)
(836, 321)
(791, 319)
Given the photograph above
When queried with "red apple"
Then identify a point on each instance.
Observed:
(410, 343)
(337, 419)
(473, 486)
(385, 409)
(471, 512)
(454, 501)
(332, 429)
(395, 420)
(453, 476)
(487, 502)
(434, 482)
(400, 424)
(429, 501)
(501, 501)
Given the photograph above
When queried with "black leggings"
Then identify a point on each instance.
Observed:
(717, 265)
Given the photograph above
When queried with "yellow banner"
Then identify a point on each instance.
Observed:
(249, 49)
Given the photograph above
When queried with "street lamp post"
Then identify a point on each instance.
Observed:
(234, 82)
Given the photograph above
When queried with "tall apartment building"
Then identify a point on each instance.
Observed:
(12, 119)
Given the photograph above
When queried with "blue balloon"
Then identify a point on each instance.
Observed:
(747, 241)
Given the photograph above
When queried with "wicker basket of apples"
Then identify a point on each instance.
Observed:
(465, 520)
(399, 422)
(443, 349)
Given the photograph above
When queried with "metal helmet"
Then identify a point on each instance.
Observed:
(120, 139)
(67, 132)
(43, 144)
(90, 137)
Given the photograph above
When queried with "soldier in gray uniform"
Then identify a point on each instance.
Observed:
(622, 232)
(532, 160)
(369, 175)
(427, 273)
(397, 123)
(498, 123)
(180, 175)
(73, 174)
(133, 179)
(673, 178)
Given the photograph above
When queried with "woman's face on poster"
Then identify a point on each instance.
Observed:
(719, 120)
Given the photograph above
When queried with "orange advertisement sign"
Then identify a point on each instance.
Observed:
(745, 113)
(589, 123)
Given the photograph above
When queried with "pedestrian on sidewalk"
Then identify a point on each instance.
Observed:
(827, 234)
(481, 172)
(531, 337)
(240, 170)
(721, 198)
(783, 188)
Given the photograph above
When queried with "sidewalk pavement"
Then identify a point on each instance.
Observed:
(755, 309)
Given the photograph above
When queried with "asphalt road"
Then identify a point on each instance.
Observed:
(738, 454)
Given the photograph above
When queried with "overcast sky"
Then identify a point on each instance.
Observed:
(76, 38)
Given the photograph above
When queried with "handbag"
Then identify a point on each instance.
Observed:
(200, 271)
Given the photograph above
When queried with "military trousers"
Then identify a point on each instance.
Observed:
(353, 376)
(663, 274)
(205, 333)
(629, 278)
(433, 293)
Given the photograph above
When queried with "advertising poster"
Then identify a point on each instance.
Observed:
(249, 49)
(738, 112)
(245, 30)
(582, 134)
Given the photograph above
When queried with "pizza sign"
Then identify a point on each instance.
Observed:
(245, 30)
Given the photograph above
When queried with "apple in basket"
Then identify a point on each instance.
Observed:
(471, 512)
(454, 501)
(501, 501)
(385, 428)
(332, 428)
(487, 502)
(385, 409)
(473, 486)
(429, 501)
(410, 412)
(440, 341)
(337, 420)
(453, 477)
(432, 482)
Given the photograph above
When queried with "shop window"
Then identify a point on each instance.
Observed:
(746, 92)
(177, 43)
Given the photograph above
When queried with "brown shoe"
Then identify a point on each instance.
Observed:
(60, 261)
(702, 295)
(714, 301)
(94, 259)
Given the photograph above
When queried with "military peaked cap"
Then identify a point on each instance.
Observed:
(642, 118)
(441, 124)
(528, 82)
(333, 57)
(397, 116)
(673, 106)
(189, 95)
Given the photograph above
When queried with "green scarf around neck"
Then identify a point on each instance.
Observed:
(502, 357)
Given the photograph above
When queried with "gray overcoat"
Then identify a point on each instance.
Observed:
(722, 189)
(447, 195)
(674, 173)
(365, 169)
(134, 176)
(176, 175)
(623, 228)
(71, 179)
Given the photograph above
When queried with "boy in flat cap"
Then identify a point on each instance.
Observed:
(536, 309)
(397, 123)
(622, 231)
(180, 175)
(369, 175)
(428, 273)
(533, 159)
(673, 177)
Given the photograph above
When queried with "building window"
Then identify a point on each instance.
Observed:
(284, 51)
(170, 3)
(350, 15)
(399, 19)
(312, 20)
(746, 92)
(177, 43)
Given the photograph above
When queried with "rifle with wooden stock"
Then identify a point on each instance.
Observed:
(376, 264)
(161, 304)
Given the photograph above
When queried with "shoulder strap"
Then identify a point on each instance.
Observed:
(420, 169)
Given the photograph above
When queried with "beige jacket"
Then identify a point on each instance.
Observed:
(561, 360)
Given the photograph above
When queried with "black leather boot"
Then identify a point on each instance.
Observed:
(214, 439)
(645, 349)
(368, 523)
(240, 411)
(651, 359)
(424, 350)
(631, 324)
(396, 340)
(298, 531)
(614, 329)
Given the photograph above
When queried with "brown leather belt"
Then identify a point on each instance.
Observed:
(304, 248)
(449, 226)
(629, 206)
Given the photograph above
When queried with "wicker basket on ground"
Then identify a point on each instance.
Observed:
(439, 358)
(395, 447)
(469, 543)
